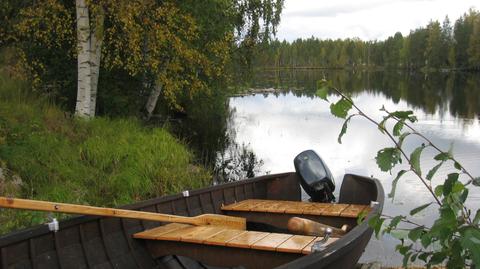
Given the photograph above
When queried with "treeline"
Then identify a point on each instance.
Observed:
(436, 46)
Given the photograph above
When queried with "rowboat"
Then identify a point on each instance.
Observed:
(267, 203)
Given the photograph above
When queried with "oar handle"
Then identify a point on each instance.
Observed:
(310, 227)
(92, 210)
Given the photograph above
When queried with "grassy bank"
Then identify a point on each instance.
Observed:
(46, 154)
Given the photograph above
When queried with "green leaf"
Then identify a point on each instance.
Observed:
(387, 158)
(340, 109)
(414, 257)
(458, 187)
(406, 258)
(434, 170)
(322, 90)
(361, 216)
(420, 208)
(415, 159)
(439, 190)
(397, 128)
(476, 220)
(395, 221)
(456, 257)
(457, 165)
(394, 183)
(376, 223)
(344, 129)
(470, 240)
(424, 256)
(437, 258)
(402, 114)
(443, 156)
(476, 181)
(415, 233)
(403, 249)
(444, 225)
(450, 183)
(402, 138)
(399, 234)
(426, 240)
(464, 195)
(381, 125)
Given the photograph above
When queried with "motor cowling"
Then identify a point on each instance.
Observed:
(315, 177)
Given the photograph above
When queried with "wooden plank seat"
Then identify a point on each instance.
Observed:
(227, 237)
(297, 207)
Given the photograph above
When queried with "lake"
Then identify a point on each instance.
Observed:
(269, 130)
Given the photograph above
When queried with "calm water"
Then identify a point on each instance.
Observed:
(276, 127)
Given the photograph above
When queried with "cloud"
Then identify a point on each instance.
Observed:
(345, 8)
(366, 19)
(334, 10)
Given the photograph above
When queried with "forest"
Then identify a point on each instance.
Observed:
(123, 57)
(435, 46)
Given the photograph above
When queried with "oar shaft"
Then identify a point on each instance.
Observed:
(91, 210)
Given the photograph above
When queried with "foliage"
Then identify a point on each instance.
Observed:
(101, 162)
(185, 46)
(435, 46)
(454, 238)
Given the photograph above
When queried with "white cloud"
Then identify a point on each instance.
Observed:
(366, 19)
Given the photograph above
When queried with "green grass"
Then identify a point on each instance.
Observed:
(102, 162)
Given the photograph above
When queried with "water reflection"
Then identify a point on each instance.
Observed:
(454, 93)
(208, 129)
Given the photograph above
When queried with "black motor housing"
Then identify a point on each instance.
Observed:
(315, 177)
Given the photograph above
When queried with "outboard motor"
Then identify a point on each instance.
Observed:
(315, 177)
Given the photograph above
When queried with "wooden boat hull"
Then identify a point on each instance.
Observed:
(97, 242)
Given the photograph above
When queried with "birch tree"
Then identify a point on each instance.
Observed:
(89, 46)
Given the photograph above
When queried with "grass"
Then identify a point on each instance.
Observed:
(46, 154)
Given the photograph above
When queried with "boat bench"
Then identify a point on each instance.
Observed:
(277, 213)
(297, 207)
(227, 237)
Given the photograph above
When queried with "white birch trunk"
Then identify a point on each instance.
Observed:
(95, 58)
(84, 86)
(152, 99)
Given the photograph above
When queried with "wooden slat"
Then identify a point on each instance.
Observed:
(236, 205)
(308, 248)
(280, 207)
(201, 234)
(354, 210)
(155, 232)
(295, 244)
(316, 208)
(296, 207)
(266, 207)
(271, 241)
(334, 210)
(223, 237)
(176, 235)
(247, 239)
(245, 205)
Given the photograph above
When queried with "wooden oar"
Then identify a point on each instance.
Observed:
(205, 219)
(310, 227)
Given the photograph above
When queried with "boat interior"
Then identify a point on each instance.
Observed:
(267, 202)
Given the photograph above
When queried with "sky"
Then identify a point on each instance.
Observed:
(365, 19)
